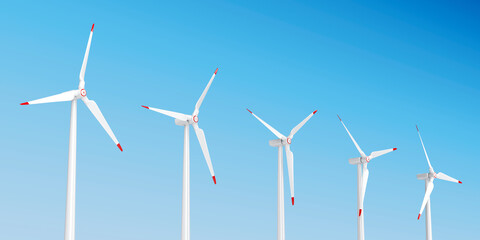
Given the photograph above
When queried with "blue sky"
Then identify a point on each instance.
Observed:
(384, 67)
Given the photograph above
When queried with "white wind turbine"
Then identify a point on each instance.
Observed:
(280, 143)
(187, 120)
(429, 177)
(73, 96)
(362, 178)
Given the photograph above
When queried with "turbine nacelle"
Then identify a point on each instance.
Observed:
(79, 94)
(359, 160)
(280, 142)
(189, 120)
(423, 176)
(428, 175)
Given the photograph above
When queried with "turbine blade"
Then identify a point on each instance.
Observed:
(179, 116)
(203, 144)
(354, 142)
(428, 192)
(380, 153)
(426, 155)
(364, 185)
(81, 85)
(300, 125)
(279, 135)
(62, 97)
(200, 100)
(290, 171)
(92, 105)
(445, 177)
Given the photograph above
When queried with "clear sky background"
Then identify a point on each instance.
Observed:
(384, 67)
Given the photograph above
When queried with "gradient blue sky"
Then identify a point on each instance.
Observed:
(384, 67)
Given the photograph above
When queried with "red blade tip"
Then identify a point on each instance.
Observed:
(419, 216)
(314, 111)
(339, 118)
(119, 146)
(25, 103)
(214, 180)
(460, 182)
(93, 25)
(360, 212)
(145, 107)
(394, 149)
(216, 70)
(417, 128)
(249, 111)
(293, 201)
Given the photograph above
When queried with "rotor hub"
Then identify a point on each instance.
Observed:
(195, 119)
(83, 93)
(289, 140)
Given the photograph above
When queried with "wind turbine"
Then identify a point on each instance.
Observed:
(281, 142)
(187, 120)
(429, 177)
(73, 96)
(362, 178)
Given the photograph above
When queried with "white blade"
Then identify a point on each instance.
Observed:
(279, 135)
(364, 185)
(354, 142)
(203, 144)
(99, 116)
(380, 153)
(179, 116)
(428, 191)
(300, 125)
(85, 59)
(290, 171)
(62, 97)
(445, 177)
(426, 155)
(200, 100)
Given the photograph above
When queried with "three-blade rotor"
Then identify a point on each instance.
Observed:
(286, 141)
(429, 177)
(193, 120)
(80, 93)
(364, 160)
